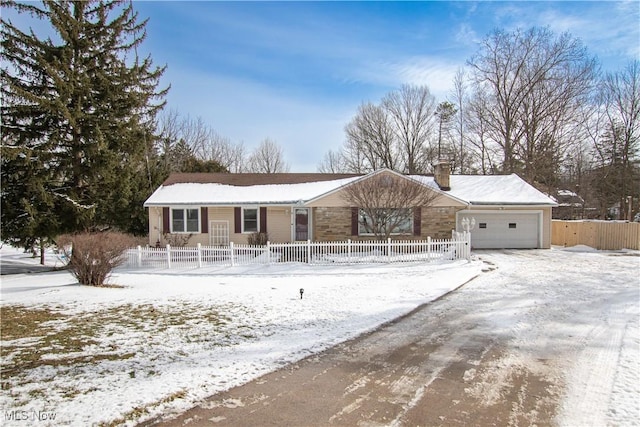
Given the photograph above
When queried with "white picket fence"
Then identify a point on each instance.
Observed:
(319, 253)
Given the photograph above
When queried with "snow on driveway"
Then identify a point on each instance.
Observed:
(578, 311)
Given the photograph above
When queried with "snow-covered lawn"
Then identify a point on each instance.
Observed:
(158, 343)
(161, 342)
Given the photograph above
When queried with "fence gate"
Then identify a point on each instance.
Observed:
(219, 233)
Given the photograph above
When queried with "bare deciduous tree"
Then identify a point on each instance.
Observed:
(204, 143)
(617, 148)
(371, 134)
(197, 134)
(459, 96)
(268, 157)
(478, 135)
(333, 162)
(498, 70)
(562, 76)
(222, 150)
(387, 202)
(412, 110)
(532, 81)
(393, 134)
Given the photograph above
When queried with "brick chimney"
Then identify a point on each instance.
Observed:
(442, 175)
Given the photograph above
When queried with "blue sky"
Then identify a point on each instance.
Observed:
(296, 72)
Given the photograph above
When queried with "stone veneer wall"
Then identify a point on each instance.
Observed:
(331, 224)
(334, 223)
(437, 222)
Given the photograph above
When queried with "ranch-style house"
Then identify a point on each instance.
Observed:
(219, 208)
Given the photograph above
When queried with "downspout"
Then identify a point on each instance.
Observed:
(158, 212)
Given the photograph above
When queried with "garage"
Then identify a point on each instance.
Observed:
(504, 229)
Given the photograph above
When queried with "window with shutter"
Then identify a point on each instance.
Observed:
(185, 220)
(417, 221)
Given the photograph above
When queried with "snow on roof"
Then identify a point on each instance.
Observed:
(567, 198)
(567, 193)
(494, 190)
(473, 189)
(497, 189)
(222, 194)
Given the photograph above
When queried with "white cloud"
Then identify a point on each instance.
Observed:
(466, 35)
(608, 29)
(433, 72)
(560, 22)
(436, 73)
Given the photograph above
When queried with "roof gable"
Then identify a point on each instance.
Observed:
(427, 181)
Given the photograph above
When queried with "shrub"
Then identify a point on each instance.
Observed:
(177, 240)
(258, 239)
(92, 256)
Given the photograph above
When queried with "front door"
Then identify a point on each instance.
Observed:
(219, 233)
(301, 224)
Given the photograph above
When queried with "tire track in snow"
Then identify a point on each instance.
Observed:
(574, 322)
(496, 352)
(627, 378)
(588, 400)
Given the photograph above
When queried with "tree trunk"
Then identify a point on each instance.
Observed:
(41, 251)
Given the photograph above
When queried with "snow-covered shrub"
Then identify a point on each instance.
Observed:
(92, 256)
(258, 239)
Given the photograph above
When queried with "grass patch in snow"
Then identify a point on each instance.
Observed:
(138, 411)
(56, 343)
(31, 335)
(21, 322)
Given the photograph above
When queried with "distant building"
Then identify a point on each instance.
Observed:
(570, 205)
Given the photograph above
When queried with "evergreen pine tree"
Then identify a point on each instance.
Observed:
(77, 119)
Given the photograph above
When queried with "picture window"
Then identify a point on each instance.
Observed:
(401, 219)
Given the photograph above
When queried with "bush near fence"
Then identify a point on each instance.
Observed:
(604, 235)
(319, 253)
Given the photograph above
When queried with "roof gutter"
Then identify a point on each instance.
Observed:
(226, 204)
(511, 205)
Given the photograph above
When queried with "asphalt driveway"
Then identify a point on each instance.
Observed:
(494, 352)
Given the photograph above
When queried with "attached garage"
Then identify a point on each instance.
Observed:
(504, 229)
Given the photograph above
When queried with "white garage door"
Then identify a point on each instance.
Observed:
(504, 230)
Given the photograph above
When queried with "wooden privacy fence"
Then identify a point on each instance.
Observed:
(607, 235)
(322, 253)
